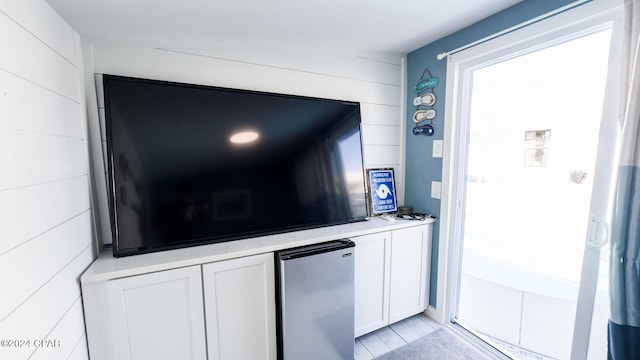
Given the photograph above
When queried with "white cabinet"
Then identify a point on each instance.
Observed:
(181, 305)
(371, 282)
(391, 276)
(151, 316)
(240, 308)
(410, 250)
(163, 315)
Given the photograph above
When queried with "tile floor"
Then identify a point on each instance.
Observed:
(381, 341)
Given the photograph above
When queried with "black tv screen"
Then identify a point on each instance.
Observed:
(176, 179)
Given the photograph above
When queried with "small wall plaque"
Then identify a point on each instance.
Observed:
(382, 191)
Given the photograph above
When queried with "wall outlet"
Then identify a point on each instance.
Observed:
(436, 189)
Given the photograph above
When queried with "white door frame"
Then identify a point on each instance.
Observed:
(584, 19)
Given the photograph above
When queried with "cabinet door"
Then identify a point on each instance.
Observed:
(408, 277)
(240, 308)
(371, 282)
(157, 316)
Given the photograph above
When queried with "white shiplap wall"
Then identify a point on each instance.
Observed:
(375, 82)
(46, 232)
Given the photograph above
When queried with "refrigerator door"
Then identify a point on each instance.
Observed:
(317, 302)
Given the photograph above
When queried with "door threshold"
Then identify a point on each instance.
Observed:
(493, 347)
(482, 342)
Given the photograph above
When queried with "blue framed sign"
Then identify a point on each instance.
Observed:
(382, 191)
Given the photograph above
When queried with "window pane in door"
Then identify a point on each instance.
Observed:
(533, 136)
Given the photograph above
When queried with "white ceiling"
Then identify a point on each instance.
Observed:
(362, 26)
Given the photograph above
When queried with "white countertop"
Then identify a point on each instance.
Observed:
(106, 267)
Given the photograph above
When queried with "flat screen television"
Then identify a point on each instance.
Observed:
(176, 179)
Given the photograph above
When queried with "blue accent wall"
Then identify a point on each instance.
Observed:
(421, 167)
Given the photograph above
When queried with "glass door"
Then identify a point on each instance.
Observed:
(532, 125)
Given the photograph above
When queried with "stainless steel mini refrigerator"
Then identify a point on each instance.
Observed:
(316, 302)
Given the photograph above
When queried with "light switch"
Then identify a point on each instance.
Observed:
(437, 148)
(436, 188)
